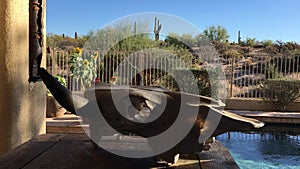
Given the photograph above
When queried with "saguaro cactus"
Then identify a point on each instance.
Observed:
(239, 37)
(76, 35)
(157, 28)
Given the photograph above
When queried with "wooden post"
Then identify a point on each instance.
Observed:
(35, 38)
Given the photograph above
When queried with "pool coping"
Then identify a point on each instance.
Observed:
(271, 116)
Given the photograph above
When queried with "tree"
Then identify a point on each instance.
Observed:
(218, 34)
(184, 40)
(267, 43)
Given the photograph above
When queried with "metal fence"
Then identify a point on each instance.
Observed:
(150, 67)
(244, 75)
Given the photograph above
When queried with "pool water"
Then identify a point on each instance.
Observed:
(263, 151)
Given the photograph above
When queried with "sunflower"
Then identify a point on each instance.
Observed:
(77, 50)
(85, 62)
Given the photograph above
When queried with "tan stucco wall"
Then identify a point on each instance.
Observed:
(22, 112)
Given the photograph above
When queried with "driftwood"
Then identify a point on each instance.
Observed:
(121, 107)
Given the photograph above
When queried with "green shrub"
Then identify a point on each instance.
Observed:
(281, 92)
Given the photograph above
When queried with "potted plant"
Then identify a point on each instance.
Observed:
(54, 109)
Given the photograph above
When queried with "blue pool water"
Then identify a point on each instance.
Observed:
(263, 151)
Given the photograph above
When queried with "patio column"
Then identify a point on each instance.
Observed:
(22, 111)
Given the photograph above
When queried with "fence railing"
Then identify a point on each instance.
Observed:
(244, 75)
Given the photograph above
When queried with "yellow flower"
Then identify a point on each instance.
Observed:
(77, 50)
(113, 79)
(85, 62)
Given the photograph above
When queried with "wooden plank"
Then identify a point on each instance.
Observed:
(47, 137)
(28, 152)
(59, 137)
(70, 124)
(57, 155)
(24, 154)
(76, 129)
(74, 153)
(217, 157)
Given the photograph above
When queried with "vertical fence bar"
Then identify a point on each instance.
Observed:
(53, 62)
(151, 68)
(114, 62)
(297, 66)
(106, 67)
(130, 68)
(125, 67)
(281, 64)
(254, 80)
(146, 71)
(231, 77)
(293, 67)
(245, 86)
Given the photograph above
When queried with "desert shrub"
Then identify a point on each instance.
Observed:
(281, 92)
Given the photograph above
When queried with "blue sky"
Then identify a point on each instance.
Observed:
(260, 19)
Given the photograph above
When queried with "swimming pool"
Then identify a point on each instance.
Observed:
(267, 151)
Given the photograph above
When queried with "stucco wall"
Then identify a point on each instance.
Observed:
(22, 112)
